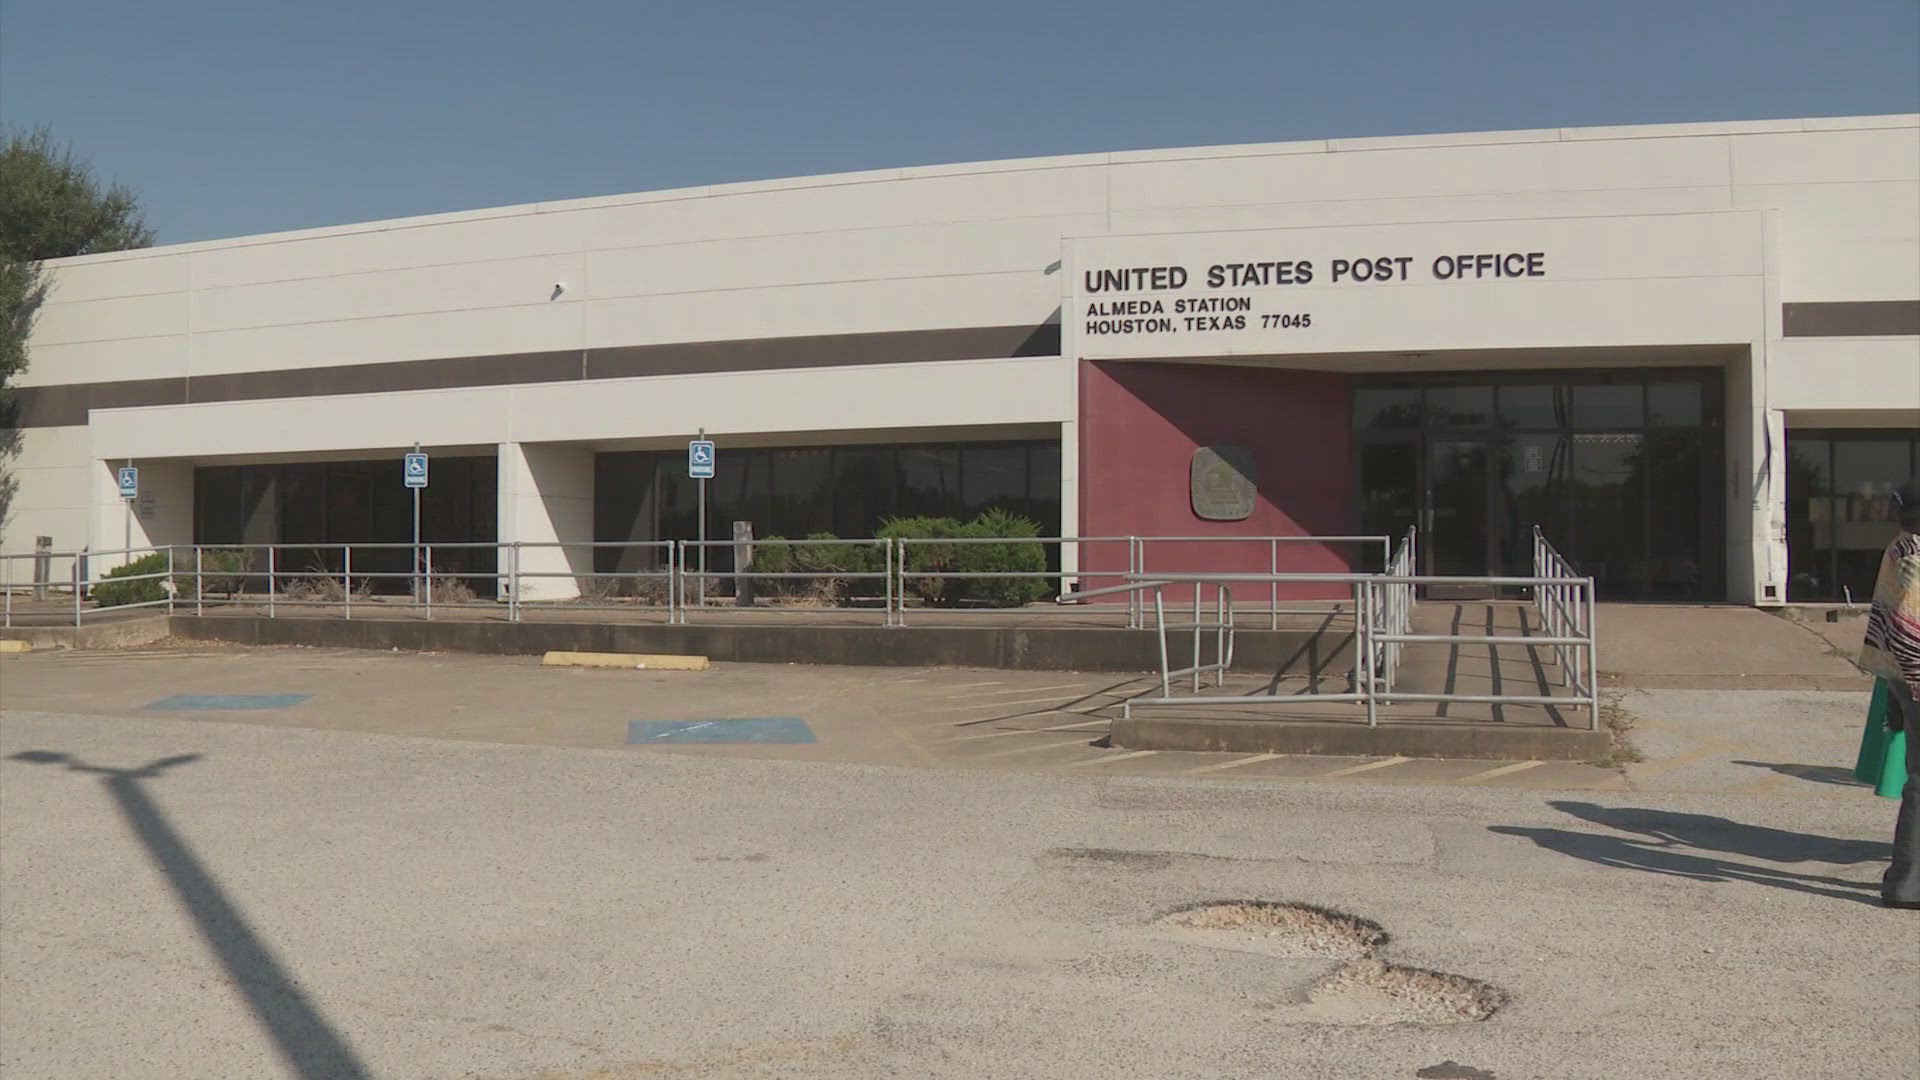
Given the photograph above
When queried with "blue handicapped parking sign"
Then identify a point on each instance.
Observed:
(700, 459)
(415, 470)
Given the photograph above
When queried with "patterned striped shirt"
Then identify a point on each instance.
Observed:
(1892, 648)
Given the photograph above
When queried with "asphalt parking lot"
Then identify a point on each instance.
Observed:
(456, 866)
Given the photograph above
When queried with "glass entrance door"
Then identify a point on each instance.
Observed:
(1620, 469)
(1443, 485)
(1460, 525)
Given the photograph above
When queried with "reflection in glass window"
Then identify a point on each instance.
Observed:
(1610, 511)
(1385, 407)
(1607, 405)
(993, 476)
(1456, 405)
(930, 481)
(1532, 406)
(1676, 489)
(1620, 469)
(863, 488)
(323, 505)
(1840, 513)
(801, 487)
(1673, 404)
(846, 490)
(1534, 472)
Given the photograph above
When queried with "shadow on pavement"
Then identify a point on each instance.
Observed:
(310, 1047)
(1091, 697)
(1709, 833)
(1662, 836)
(1818, 774)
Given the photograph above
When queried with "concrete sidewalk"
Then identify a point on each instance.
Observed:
(1791, 742)
(1686, 646)
(946, 717)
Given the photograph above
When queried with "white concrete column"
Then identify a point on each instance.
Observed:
(1756, 462)
(546, 498)
(1070, 554)
(161, 515)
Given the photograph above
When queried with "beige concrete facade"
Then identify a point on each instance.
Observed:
(1701, 239)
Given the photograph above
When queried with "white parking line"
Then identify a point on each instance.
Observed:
(1351, 769)
(1029, 749)
(1027, 731)
(974, 705)
(1105, 760)
(1501, 771)
(992, 708)
(1030, 689)
(1235, 763)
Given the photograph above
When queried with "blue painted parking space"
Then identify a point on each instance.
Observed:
(745, 729)
(211, 702)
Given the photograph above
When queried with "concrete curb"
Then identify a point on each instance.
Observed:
(1031, 648)
(102, 636)
(629, 661)
(1487, 742)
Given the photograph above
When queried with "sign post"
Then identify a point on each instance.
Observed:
(700, 467)
(129, 477)
(742, 563)
(414, 474)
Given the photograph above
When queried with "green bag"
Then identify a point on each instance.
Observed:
(1883, 752)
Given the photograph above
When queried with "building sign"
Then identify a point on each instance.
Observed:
(1416, 287)
(1221, 481)
(1240, 295)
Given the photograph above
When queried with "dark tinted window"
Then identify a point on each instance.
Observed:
(1532, 406)
(1609, 406)
(1455, 405)
(1385, 407)
(1673, 404)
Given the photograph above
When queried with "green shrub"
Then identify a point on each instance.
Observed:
(773, 556)
(830, 560)
(851, 557)
(113, 592)
(1013, 557)
(928, 558)
(222, 570)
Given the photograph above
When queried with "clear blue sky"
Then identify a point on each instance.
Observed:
(250, 115)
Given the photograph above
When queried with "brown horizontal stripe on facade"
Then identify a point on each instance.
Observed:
(1851, 318)
(67, 405)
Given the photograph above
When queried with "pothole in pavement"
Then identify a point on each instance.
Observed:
(1303, 929)
(1376, 992)
(1363, 990)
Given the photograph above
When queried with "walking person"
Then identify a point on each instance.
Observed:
(1892, 652)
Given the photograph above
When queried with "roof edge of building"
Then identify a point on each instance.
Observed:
(1272, 149)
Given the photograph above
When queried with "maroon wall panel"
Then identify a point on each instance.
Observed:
(1140, 424)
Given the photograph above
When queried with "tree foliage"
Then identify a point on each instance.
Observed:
(51, 207)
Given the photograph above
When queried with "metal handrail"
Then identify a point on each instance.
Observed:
(1383, 616)
(887, 574)
(1274, 610)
